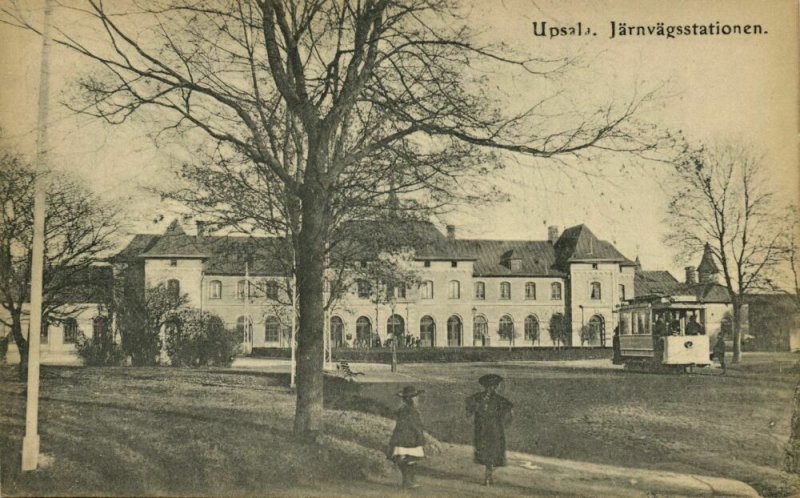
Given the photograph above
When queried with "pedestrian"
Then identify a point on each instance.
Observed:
(719, 351)
(491, 414)
(408, 437)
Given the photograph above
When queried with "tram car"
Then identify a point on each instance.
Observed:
(662, 334)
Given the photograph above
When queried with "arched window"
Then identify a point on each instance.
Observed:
(215, 289)
(454, 331)
(271, 289)
(272, 329)
(531, 328)
(174, 288)
(598, 329)
(426, 290)
(480, 331)
(530, 290)
(480, 290)
(363, 332)
(505, 290)
(337, 332)
(555, 291)
(100, 327)
(506, 330)
(241, 287)
(70, 331)
(595, 294)
(427, 332)
(364, 289)
(454, 289)
(395, 326)
(621, 292)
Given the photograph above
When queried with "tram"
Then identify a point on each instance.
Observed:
(662, 334)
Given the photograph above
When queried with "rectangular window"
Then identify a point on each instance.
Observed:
(426, 264)
(454, 264)
(173, 262)
(555, 291)
(505, 290)
(241, 291)
(530, 290)
(622, 292)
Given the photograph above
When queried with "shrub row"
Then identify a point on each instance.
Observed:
(449, 355)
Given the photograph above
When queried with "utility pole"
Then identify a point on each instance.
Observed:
(30, 443)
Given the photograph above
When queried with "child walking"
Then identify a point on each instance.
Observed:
(408, 438)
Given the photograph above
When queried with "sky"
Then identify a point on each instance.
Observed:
(742, 89)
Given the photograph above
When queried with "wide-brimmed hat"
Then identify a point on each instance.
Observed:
(409, 392)
(490, 380)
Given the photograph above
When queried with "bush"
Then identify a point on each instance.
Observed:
(99, 351)
(199, 338)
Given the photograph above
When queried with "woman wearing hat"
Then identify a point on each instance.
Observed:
(408, 438)
(491, 413)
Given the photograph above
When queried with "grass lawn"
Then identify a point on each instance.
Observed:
(164, 431)
(733, 426)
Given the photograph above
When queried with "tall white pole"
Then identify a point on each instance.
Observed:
(293, 339)
(30, 443)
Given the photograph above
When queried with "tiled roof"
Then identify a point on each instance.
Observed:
(261, 255)
(493, 257)
(271, 255)
(139, 244)
(648, 283)
(578, 243)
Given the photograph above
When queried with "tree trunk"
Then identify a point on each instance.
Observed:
(310, 337)
(22, 344)
(737, 330)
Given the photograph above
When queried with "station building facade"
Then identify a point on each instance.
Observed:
(467, 292)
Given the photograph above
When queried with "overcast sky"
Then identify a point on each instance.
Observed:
(735, 88)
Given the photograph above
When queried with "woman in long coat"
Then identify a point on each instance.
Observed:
(408, 438)
(491, 413)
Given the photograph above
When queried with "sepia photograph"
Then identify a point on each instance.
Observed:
(314, 248)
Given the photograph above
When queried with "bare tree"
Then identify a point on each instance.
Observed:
(318, 110)
(78, 233)
(722, 202)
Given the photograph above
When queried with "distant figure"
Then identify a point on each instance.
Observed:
(617, 360)
(408, 438)
(719, 351)
(660, 327)
(693, 328)
(377, 342)
(491, 413)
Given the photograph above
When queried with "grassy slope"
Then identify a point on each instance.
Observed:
(734, 426)
(177, 432)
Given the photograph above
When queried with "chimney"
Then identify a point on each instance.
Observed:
(552, 234)
(691, 275)
(451, 232)
(201, 228)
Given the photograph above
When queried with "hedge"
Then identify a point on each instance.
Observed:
(450, 355)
